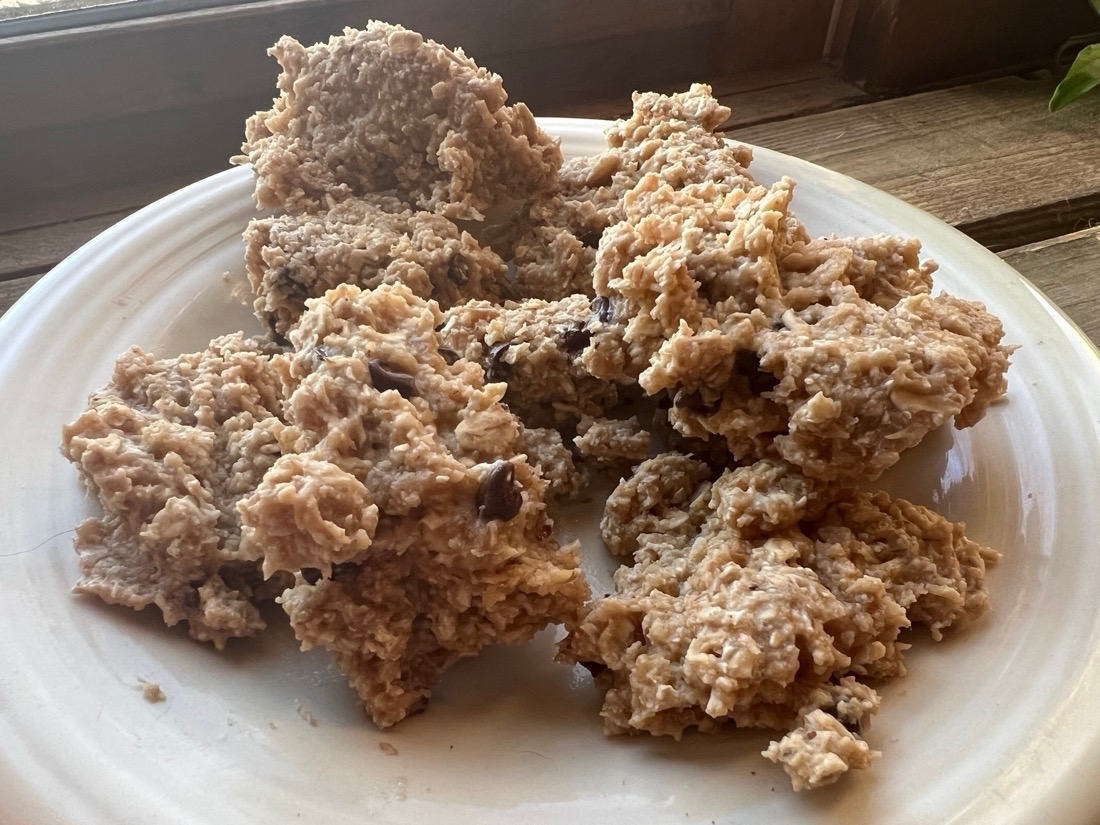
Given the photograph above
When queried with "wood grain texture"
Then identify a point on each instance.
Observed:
(1067, 270)
(12, 291)
(755, 97)
(33, 251)
(987, 158)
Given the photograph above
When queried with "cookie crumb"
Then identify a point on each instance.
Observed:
(151, 692)
(387, 748)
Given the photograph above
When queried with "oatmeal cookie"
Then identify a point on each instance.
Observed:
(880, 269)
(554, 252)
(416, 530)
(684, 257)
(169, 447)
(827, 743)
(364, 241)
(764, 599)
(665, 496)
(565, 478)
(383, 109)
(840, 391)
(670, 137)
(535, 347)
(615, 444)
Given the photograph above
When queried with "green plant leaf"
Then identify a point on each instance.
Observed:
(1083, 75)
(1095, 5)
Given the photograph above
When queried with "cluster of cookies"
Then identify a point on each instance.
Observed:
(463, 328)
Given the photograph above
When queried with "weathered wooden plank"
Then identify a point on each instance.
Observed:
(789, 100)
(12, 291)
(29, 252)
(1067, 269)
(755, 97)
(987, 157)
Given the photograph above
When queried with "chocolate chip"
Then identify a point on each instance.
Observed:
(276, 336)
(576, 339)
(458, 270)
(695, 402)
(344, 570)
(747, 364)
(498, 369)
(590, 239)
(603, 309)
(191, 598)
(387, 377)
(498, 496)
(448, 354)
(311, 574)
(545, 529)
(595, 668)
(286, 281)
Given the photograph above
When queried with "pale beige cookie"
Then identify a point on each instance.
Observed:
(553, 241)
(168, 447)
(544, 447)
(534, 347)
(615, 444)
(665, 495)
(364, 241)
(416, 528)
(839, 391)
(383, 109)
(764, 599)
(672, 137)
(880, 269)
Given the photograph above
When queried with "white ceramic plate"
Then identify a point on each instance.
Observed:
(1000, 724)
